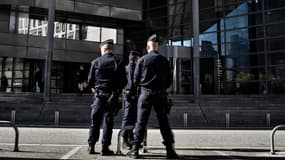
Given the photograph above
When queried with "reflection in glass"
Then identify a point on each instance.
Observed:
(276, 58)
(275, 30)
(38, 27)
(278, 72)
(238, 51)
(72, 31)
(275, 16)
(274, 4)
(91, 33)
(176, 43)
(236, 22)
(109, 33)
(23, 22)
(276, 44)
(187, 43)
(210, 37)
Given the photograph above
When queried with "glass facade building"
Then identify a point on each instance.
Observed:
(242, 42)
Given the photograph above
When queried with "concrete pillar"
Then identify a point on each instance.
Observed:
(196, 50)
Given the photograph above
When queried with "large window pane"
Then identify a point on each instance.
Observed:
(277, 86)
(91, 33)
(249, 74)
(210, 37)
(72, 31)
(256, 46)
(256, 32)
(277, 72)
(245, 87)
(256, 60)
(269, 4)
(236, 9)
(276, 58)
(275, 16)
(38, 27)
(236, 36)
(109, 33)
(236, 22)
(23, 22)
(208, 49)
(209, 26)
(275, 30)
(60, 30)
(276, 44)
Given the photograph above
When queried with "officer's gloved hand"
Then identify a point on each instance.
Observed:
(113, 102)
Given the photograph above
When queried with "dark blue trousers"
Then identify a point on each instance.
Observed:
(100, 114)
(129, 114)
(158, 101)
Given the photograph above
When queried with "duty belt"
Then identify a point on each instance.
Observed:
(155, 91)
(100, 92)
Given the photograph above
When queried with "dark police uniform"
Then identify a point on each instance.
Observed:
(130, 99)
(106, 76)
(153, 76)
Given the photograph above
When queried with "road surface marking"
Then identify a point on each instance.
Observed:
(225, 155)
(48, 145)
(71, 152)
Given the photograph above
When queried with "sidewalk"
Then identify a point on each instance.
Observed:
(65, 143)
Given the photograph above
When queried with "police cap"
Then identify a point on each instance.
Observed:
(153, 38)
(108, 41)
(133, 54)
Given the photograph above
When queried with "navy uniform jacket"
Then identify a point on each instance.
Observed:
(130, 69)
(153, 72)
(107, 73)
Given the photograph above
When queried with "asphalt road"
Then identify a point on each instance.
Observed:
(71, 143)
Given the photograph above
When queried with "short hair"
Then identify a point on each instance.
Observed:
(108, 41)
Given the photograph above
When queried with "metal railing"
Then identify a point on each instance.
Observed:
(9, 123)
(272, 151)
(120, 134)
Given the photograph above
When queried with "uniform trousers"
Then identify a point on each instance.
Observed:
(158, 100)
(100, 113)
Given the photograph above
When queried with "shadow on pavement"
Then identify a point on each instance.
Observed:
(230, 149)
(19, 158)
(225, 157)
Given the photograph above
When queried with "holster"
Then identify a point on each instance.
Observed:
(129, 95)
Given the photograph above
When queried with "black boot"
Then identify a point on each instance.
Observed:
(106, 152)
(126, 141)
(91, 150)
(134, 153)
(170, 152)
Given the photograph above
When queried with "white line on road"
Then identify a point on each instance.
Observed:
(48, 145)
(71, 152)
(225, 155)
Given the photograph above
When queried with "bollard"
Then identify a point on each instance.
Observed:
(185, 117)
(268, 119)
(56, 118)
(13, 116)
(228, 120)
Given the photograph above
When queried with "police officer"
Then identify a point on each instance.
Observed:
(106, 78)
(153, 76)
(130, 100)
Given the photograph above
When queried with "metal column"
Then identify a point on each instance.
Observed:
(49, 51)
(196, 50)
